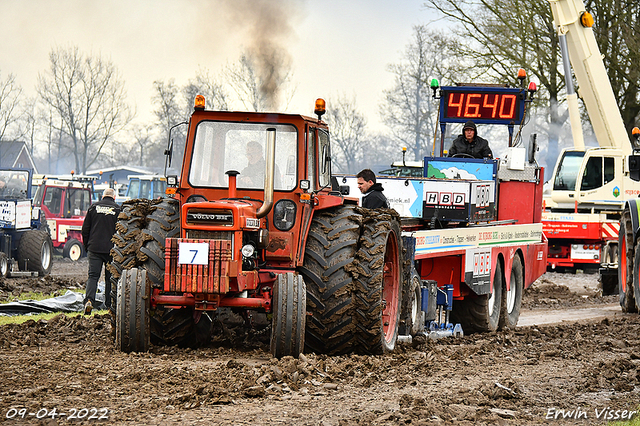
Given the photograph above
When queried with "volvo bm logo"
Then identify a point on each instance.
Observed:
(214, 217)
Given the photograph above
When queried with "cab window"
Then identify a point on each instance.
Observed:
(134, 188)
(53, 200)
(78, 202)
(324, 159)
(145, 189)
(592, 176)
(609, 169)
(311, 158)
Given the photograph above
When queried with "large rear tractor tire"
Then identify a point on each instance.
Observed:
(132, 318)
(481, 313)
(329, 253)
(73, 249)
(35, 252)
(289, 315)
(379, 284)
(183, 327)
(625, 265)
(126, 243)
(512, 298)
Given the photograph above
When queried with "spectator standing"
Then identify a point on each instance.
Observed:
(372, 198)
(97, 229)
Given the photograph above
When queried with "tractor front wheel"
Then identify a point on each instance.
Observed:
(132, 312)
(73, 249)
(289, 306)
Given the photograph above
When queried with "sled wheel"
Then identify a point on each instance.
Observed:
(625, 265)
(512, 300)
(480, 313)
(132, 317)
(73, 249)
(4, 265)
(412, 315)
(35, 252)
(378, 285)
(289, 304)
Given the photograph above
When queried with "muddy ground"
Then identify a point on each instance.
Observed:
(525, 376)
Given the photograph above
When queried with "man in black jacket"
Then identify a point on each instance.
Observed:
(373, 197)
(470, 143)
(97, 229)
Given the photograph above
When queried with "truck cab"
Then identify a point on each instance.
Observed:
(64, 201)
(144, 186)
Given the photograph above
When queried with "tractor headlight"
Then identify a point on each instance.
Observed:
(284, 215)
(248, 250)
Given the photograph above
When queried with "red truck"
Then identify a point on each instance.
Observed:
(64, 201)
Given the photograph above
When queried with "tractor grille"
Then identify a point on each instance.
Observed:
(209, 235)
(211, 278)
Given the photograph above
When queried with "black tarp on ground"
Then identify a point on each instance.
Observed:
(71, 301)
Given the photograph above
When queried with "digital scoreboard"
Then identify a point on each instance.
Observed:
(482, 105)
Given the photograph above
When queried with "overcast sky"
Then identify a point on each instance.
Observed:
(337, 46)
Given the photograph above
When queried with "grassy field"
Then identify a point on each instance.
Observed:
(19, 319)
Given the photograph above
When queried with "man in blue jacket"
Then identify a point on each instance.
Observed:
(97, 229)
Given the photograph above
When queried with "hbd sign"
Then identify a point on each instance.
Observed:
(445, 198)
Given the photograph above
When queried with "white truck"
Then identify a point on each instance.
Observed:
(589, 185)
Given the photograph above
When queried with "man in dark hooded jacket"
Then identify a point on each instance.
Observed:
(372, 198)
(97, 229)
(470, 143)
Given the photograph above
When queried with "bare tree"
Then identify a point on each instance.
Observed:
(88, 96)
(502, 36)
(498, 37)
(169, 110)
(169, 113)
(408, 109)
(619, 44)
(28, 123)
(205, 84)
(348, 133)
(10, 93)
(146, 147)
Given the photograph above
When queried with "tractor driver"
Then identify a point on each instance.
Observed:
(252, 176)
(470, 143)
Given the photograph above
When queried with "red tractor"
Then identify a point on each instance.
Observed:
(256, 224)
